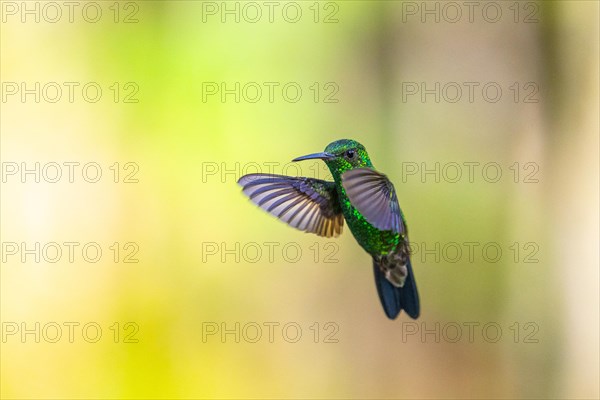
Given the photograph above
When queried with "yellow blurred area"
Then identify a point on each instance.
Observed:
(134, 267)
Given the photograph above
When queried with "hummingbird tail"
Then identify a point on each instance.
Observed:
(393, 298)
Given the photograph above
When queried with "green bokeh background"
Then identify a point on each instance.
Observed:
(182, 204)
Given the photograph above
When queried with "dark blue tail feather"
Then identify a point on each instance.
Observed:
(394, 299)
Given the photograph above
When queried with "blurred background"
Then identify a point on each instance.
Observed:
(159, 279)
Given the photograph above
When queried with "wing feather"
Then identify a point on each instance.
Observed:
(308, 204)
(373, 195)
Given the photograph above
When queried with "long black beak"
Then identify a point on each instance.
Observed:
(320, 156)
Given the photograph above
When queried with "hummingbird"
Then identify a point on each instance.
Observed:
(362, 196)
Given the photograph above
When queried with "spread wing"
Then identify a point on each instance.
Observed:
(308, 204)
(373, 195)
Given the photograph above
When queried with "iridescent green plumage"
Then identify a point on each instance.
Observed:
(373, 240)
(367, 201)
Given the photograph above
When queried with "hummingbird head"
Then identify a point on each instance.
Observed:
(341, 156)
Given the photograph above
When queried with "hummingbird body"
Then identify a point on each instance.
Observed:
(365, 198)
(374, 241)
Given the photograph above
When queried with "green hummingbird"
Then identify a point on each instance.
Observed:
(365, 198)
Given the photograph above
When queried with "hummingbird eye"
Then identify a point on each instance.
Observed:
(350, 154)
